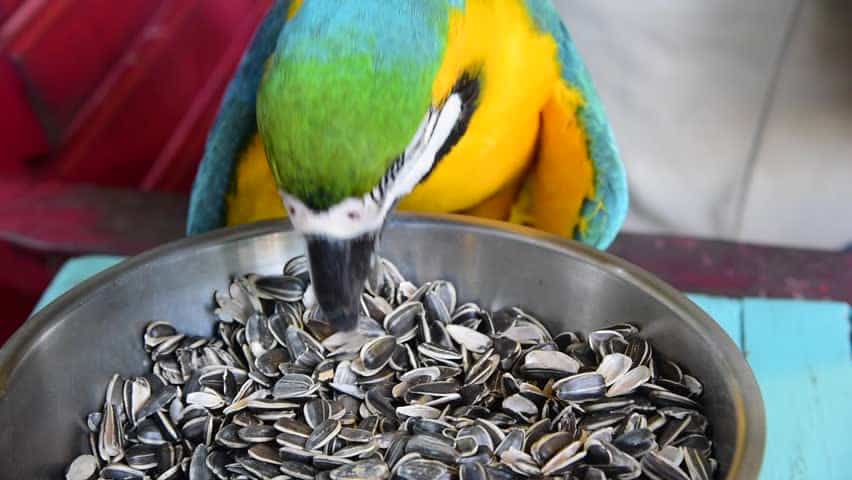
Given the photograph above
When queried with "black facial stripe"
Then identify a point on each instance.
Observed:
(387, 179)
(468, 88)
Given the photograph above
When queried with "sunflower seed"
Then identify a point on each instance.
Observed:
(549, 445)
(83, 467)
(118, 471)
(257, 434)
(582, 386)
(298, 470)
(564, 459)
(520, 462)
(629, 381)
(613, 366)
(422, 469)
(657, 467)
(377, 352)
(469, 338)
(265, 453)
(322, 434)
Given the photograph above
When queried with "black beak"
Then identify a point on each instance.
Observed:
(339, 269)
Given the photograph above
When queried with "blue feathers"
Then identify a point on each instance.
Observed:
(234, 127)
(607, 213)
(412, 28)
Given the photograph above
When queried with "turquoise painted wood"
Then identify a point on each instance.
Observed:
(800, 354)
(799, 351)
(72, 273)
(726, 311)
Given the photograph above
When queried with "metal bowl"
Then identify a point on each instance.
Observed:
(54, 370)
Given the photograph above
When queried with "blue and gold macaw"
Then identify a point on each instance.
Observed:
(347, 109)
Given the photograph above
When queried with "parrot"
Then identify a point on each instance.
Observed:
(341, 112)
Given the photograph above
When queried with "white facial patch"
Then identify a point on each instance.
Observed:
(354, 217)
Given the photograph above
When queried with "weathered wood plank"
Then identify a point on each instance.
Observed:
(72, 219)
(72, 273)
(739, 269)
(726, 311)
(800, 354)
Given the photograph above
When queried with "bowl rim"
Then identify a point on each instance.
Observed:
(751, 433)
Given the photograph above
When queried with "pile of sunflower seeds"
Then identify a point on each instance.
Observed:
(424, 389)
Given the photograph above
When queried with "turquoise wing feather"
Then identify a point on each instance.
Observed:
(606, 213)
(234, 127)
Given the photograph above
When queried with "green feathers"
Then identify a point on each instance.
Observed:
(331, 131)
(345, 91)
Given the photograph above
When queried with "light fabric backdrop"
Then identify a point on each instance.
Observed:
(734, 117)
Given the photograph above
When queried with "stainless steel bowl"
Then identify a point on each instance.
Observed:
(54, 370)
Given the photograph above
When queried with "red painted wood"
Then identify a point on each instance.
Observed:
(24, 276)
(29, 20)
(68, 47)
(99, 91)
(72, 219)
(145, 87)
(135, 112)
(174, 169)
(99, 148)
(21, 135)
(738, 270)
(7, 8)
(44, 223)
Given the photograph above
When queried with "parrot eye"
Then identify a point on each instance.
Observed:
(353, 215)
(292, 211)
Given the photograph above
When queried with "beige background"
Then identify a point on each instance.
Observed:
(734, 117)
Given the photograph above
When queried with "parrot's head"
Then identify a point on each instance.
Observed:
(348, 122)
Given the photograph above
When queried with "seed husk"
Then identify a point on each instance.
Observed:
(257, 433)
(363, 470)
(582, 386)
(422, 469)
(83, 467)
(323, 434)
(656, 466)
(629, 381)
(376, 353)
(469, 338)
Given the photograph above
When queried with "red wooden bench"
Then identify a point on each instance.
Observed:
(102, 94)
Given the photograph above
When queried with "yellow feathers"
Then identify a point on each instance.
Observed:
(254, 196)
(564, 175)
(294, 7)
(517, 67)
